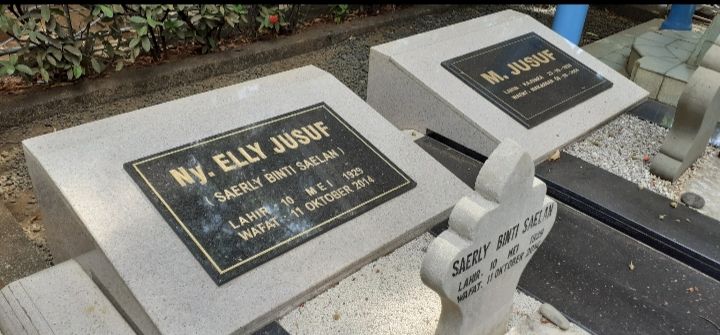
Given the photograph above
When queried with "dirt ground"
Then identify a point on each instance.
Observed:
(347, 60)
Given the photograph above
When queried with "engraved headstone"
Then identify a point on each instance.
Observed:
(476, 264)
(503, 75)
(220, 212)
(696, 116)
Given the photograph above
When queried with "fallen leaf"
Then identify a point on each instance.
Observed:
(555, 156)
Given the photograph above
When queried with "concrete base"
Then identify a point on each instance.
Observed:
(658, 62)
(59, 300)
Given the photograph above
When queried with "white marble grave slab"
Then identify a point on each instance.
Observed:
(408, 85)
(96, 213)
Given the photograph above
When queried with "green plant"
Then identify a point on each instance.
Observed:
(51, 47)
(271, 18)
(55, 49)
(339, 12)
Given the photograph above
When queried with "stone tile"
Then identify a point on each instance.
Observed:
(681, 72)
(615, 57)
(684, 45)
(59, 300)
(650, 81)
(685, 35)
(620, 68)
(670, 91)
(655, 38)
(680, 54)
(119, 236)
(657, 65)
(655, 51)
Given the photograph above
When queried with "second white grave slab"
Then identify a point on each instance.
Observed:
(503, 75)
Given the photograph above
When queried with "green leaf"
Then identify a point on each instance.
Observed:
(96, 65)
(25, 69)
(119, 65)
(146, 43)
(142, 31)
(13, 59)
(51, 59)
(77, 71)
(56, 52)
(73, 50)
(134, 42)
(8, 69)
(69, 74)
(106, 10)
(138, 20)
(45, 12)
(45, 75)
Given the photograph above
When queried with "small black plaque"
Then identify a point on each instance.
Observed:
(528, 78)
(241, 198)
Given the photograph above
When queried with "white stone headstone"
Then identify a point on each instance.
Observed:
(476, 264)
(503, 75)
(295, 155)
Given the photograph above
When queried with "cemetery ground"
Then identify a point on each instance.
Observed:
(620, 147)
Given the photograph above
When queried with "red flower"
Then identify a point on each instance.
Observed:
(273, 19)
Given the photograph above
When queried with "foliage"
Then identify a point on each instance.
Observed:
(53, 47)
(339, 12)
(271, 18)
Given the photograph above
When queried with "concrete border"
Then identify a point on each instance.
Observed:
(40, 103)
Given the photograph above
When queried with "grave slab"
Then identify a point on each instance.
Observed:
(59, 300)
(583, 269)
(500, 76)
(122, 228)
(475, 265)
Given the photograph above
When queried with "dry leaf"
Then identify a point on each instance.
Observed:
(555, 156)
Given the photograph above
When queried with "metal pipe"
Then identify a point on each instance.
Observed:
(569, 21)
(679, 18)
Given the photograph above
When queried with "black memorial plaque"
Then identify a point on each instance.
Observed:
(528, 78)
(241, 198)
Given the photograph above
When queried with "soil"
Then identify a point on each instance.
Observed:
(347, 60)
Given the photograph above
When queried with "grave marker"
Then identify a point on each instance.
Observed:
(476, 264)
(219, 212)
(503, 75)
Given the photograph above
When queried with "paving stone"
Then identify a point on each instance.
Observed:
(657, 64)
(682, 72)
(59, 300)
(654, 38)
(670, 91)
(649, 80)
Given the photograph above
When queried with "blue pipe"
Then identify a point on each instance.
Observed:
(679, 18)
(569, 21)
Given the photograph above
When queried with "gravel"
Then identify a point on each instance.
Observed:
(388, 297)
(626, 146)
